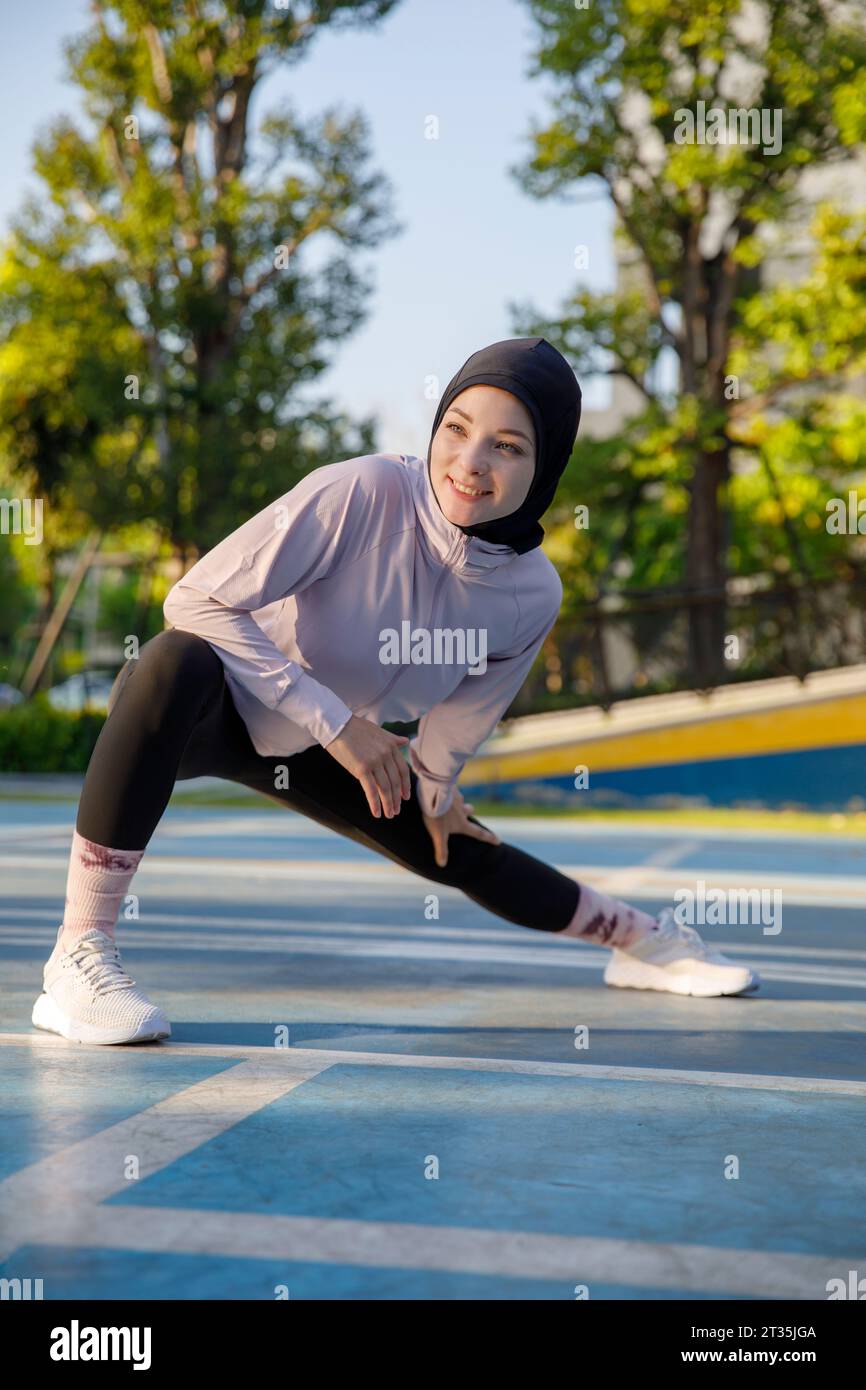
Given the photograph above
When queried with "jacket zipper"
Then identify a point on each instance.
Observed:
(430, 625)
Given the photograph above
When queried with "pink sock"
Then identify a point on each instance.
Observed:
(95, 887)
(607, 921)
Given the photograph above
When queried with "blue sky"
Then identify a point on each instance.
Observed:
(472, 241)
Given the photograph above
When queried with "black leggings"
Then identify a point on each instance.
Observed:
(172, 717)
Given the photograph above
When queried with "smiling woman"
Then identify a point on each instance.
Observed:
(506, 423)
(274, 675)
(483, 455)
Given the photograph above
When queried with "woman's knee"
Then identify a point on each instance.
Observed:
(171, 666)
(174, 653)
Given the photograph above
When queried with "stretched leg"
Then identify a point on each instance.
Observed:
(502, 878)
(647, 953)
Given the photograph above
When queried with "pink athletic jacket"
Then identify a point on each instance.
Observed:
(314, 607)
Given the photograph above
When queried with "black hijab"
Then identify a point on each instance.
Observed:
(533, 370)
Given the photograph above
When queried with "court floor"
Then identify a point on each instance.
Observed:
(364, 1100)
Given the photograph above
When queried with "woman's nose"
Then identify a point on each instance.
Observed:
(475, 463)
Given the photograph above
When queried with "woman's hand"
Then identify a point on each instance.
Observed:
(454, 822)
(373, 755)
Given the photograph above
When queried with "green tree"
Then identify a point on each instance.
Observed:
(694, 217)
(66, 434)
(163, 285)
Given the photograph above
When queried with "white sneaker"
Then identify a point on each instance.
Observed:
(675, 959)
(89, 998)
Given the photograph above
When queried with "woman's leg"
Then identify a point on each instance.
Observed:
(172, 716)
(501, 878)
(159, 703)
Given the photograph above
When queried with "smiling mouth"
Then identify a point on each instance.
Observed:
(467, 493)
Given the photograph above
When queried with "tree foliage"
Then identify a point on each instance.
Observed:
(160, 318)
(728, 467)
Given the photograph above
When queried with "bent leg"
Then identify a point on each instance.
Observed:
(154, 707)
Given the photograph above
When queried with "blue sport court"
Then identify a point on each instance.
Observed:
(372, 1094)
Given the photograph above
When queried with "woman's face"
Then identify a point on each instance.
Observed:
(482, 458)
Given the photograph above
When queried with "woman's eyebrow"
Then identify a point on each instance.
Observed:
(457, 411)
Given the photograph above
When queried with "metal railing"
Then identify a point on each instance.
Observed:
(637, 643)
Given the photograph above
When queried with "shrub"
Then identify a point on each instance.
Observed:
(35, 737)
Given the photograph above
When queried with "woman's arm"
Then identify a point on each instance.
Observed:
(287, 546)
(257, 663)
(450, 733)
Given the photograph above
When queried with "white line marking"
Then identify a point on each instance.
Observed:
(416, 929)
(420, 927)
(61, 1190)
(55, 1200)
(464, 1250)
(281, 1057)
(574, 956)
(568, 957)
(620, 880)
(828, 891)
(787, 948)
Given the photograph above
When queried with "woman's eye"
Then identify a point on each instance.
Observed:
(453, 425)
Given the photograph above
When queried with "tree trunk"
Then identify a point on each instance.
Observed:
(54, 625)
(706, 569)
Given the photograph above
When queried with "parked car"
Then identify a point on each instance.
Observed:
(84, 690)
